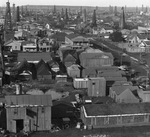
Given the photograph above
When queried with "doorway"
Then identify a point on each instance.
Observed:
(19, 125)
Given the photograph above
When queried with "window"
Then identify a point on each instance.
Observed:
(43, 110)
(93, 83)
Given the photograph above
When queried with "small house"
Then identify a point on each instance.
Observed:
(28, 113)
(43, 72)
(125, 94)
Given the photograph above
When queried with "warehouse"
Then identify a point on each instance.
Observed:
(28, 112)
(115, 115)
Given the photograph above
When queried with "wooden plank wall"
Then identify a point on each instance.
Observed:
(42, 119)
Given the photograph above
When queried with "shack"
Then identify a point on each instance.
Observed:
(28, 112)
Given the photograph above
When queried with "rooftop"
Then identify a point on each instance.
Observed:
(116, 109)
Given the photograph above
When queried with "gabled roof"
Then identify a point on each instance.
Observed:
(72, 36)
(102, 100)
(34, 56)
(25, 100)
(71, 52)
(42, 68)
(116, 109)
(119, 89)
(84, 55)
(69, 58)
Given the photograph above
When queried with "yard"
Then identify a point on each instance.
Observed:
(110, 132)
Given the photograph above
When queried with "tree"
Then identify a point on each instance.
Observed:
(116, 36)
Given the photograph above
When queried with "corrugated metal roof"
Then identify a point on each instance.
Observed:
(13, 100)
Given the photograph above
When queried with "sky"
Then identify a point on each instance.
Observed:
(99, 3)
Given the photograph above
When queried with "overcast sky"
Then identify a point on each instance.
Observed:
(100, 3)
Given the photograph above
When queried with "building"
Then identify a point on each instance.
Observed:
(44, 45)
(115, 115)
(28, 112)
(125, 94)
(73, 71)
(13, 45)
(96, 60)
(43, 72)
(77, 41)
(67, 111)
(96, 87)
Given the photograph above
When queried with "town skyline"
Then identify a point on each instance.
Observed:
(99, 3)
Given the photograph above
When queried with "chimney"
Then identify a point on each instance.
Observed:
(18, 89)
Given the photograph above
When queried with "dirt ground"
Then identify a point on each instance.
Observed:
(143, 131)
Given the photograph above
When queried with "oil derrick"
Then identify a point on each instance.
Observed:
(84, 16)
(8, 31)
(142, 8)
(14, 14)
(22, 11)
(115, 11)
(54, 10)
(94, 24)
(66, 16)
(62, 13)
(122, 19)
(2, 47)
(18, 14)
(8, 23)
(137, 9)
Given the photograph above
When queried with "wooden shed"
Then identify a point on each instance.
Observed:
(80, 83)
(96, 87)
(28, 112)
(73, 71)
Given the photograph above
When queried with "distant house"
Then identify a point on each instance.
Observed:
(134, 43)
(96, 60)
(96, 87)
(44, 45)
(28, 46)
(125, 94)
(68, 57)
(43, 72)
(77, 41)
(34, 57)
(13, 45)
(59, 37)
(28, 113)
(105, 30)
(115, 115)
(146, 45)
